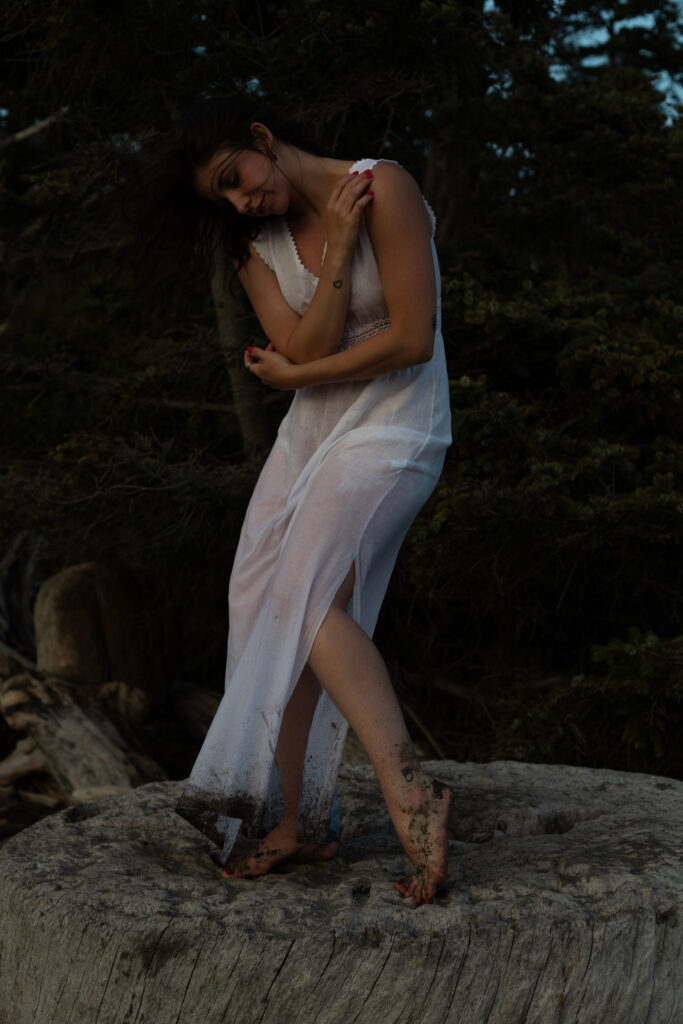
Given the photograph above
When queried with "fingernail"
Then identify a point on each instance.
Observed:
(371, 193)
(250, 349)
(354, 173)
(368, 174)
(227, 871)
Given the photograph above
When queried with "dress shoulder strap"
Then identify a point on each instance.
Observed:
(367, 163)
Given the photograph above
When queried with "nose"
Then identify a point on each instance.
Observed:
(238, 200)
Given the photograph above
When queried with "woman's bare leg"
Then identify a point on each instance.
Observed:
(353, 673)
(281, 844)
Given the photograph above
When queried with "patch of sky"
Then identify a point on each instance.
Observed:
(641, 21)
(122, 140)
(672, 104)
(595, 60)
(199, 50)
(502, 83)
(510, 150)
(598, 36)
(252, 86)
(672, 91)
(587, 37)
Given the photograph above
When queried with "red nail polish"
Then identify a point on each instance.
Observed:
(368, 174)
(354, 173)
(250, 349)
(371, 193)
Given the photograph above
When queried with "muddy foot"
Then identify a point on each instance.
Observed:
(279, 847)
(425, 840)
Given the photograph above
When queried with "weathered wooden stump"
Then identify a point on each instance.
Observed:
(79, 721)
(91, 627)
(563, 907)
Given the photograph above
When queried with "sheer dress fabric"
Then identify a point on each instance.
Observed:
(352, 464)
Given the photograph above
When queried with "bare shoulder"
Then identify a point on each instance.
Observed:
(393, 175)
(397, 195)
(254, 265)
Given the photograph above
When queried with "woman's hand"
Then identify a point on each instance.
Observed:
(270, 367)
(347, 201)
(400, 229)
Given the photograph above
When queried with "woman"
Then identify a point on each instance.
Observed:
(338, 261)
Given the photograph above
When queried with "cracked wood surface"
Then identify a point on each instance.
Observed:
(563, 908)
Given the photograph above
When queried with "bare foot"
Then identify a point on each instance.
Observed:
(423, 835)
(278, 847)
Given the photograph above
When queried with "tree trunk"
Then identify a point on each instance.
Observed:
(247, 396)
(448, 183)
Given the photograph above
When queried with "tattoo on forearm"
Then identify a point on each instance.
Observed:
(337, 284)
(407, 773)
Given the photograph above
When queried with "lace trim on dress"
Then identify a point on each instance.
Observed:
(297, 254)
(432, 215)
(358, 334)
(261, 247)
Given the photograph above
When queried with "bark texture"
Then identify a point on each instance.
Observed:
(247, 398)
(563, 907)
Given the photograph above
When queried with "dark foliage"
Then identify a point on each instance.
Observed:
(535, 611)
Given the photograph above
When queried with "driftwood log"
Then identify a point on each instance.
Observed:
(564, 908)
(91, 627)
(69, 726)
(77, 744)
(18, 587)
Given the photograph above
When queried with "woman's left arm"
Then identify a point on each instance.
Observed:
(400, 230)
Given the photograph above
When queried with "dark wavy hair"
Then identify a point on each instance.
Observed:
(172, 224)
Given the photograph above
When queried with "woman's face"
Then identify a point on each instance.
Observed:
(248, 179)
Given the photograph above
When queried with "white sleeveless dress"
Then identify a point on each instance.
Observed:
(352, 465)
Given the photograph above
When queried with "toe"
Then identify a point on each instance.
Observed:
(423, 895)
(401, 885)
(238, 868)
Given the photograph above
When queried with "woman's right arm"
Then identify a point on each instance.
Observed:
(318, 332)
